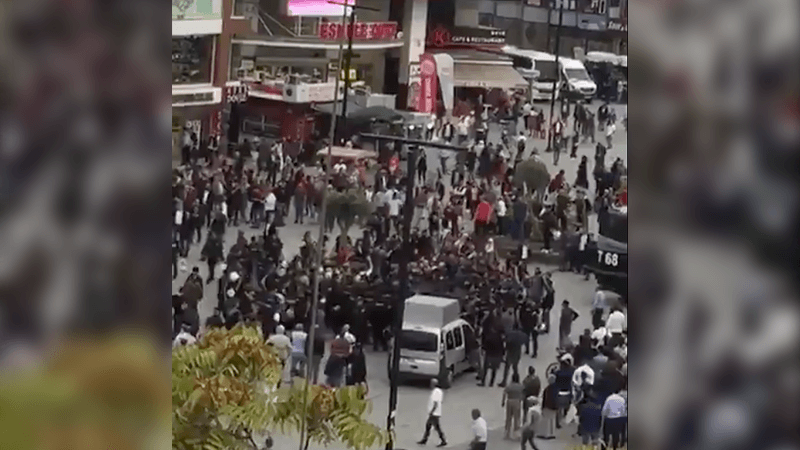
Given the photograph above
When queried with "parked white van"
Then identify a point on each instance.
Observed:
(543, 73)
(577, 82)
(435, 342)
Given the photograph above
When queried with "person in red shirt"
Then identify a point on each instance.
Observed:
(622, 197)
(483, 215)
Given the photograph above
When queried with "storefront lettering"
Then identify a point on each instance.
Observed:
(615, 25)
(442, 36)
(364, 31)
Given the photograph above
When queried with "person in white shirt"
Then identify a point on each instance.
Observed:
(598, 307)
(395, 204)
(501, 211)
(614, 416)
(610, 129)
(615, 325)
(434, 412)
(270, 203)
(184, 338)
(480, 431)
(347, 335)
(298, 337)
(282, 345)
(463, 130)
(578, 378)
(522, 142)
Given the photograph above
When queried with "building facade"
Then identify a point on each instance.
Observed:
(591, 25)
(201, 36)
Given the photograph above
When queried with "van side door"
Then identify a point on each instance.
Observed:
(471, 347)
(449, 348)
(460, 355)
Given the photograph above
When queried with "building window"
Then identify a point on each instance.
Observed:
(569, 5)
(486, 19)
(239, 7)
(191, 59)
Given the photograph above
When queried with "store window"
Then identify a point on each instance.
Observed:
(239, 8)
(271, 66)
(191, 59)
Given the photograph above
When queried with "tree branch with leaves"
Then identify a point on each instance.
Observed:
(225, 395)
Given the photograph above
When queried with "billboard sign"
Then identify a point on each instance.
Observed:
(428, 88)
(363, 31)
(196, 9)
(442, 37)
(316, 8)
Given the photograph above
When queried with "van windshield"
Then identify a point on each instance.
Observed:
(419, 341)
(548, 71)
(577, 74)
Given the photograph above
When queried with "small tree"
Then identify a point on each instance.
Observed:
(92, 394)
(225, 396)
(533, 174)
(347, 208)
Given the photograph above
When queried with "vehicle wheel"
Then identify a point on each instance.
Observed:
(446, 379)
(551, 369)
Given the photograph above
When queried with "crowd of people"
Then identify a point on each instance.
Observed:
(460, 215)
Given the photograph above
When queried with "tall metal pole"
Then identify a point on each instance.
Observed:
(416, 145)
(318, 255)
(558, 76)
(400, 302)
(347, 63)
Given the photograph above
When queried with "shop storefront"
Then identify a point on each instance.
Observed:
(289, 77)
(195, 107)
(480, 73)
(316, 59)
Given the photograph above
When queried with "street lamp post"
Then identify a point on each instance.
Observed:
(350, 32)
(414, 146)
(319, 251)
(557, 78)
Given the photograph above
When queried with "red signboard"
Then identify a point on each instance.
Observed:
(365, 31)
(216, 123)
(428, 87)
(442, 36)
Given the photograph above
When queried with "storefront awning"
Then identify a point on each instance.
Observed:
(488, 76)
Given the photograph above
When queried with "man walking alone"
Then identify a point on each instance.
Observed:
(434, 414)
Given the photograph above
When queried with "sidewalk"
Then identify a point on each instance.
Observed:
(407, 441)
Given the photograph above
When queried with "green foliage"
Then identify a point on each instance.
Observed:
(346, 209)
(224, 394)
(533, 173)
(92, 395)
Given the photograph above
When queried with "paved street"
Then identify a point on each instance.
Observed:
(464, 395)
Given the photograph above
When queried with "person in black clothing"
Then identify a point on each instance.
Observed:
(514, 340)
(422, 167)
(548, 301)
(175, 255)
(472, 158)
(582, 177)
(315, 351)
(356, 366)
(494, 349)
(213, 253)
(188, 316)
(529, 321)
(563, 385)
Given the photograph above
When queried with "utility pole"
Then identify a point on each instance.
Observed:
(319, 251)
(557, 80)
(415, 146)
(348, 59)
